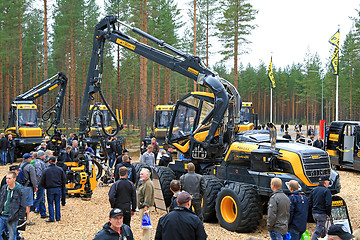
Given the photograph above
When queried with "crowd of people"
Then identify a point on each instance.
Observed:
(41, 171)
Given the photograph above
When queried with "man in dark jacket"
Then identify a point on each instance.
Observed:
(4, 144)
(111, 151)
(115, 226)
(299, 207)
(11, 149)
(278, 211)
(318, 143)
(12, 205)
(181, 223)
(164, 159)
(287, 136)
(131, 175)
(175, 189)
(122, 195)
(53, 180)
(194, 184)
(320, 201)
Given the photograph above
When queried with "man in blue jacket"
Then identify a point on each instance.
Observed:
(320, 201)
(299, 206)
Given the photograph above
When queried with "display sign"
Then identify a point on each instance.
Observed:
(339, 213)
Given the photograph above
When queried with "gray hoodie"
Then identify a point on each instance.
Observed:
(278, 212)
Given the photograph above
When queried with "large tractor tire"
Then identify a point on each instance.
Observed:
(165, 176)
(238, 208)
(213, 187)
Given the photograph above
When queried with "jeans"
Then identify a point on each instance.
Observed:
(4, 224)
(11, 156)
(295, 235)
(276, 235)
(320, 231)
(39, 201)
(53, 196)
(112, 158)
(3, 155)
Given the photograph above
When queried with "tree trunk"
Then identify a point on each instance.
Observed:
(21, 83)
(158, 86)
(72, 71)
(2, 107)
(45, 98)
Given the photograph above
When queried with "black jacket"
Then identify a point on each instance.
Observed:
(299, 208)
(53, 177)
(174, 203)
(17, 203)
(108, 234)
(64, 156)
(164, 160)
(180, 224)
(130, 168)
(4, 144)
(11, 145)
(320, 200)
(122, 195)
(194, 184)
(287, 136)
(318, 144)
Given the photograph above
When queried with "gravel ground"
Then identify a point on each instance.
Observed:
(83, 219)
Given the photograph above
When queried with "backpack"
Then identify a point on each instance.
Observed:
(39, 167)
(21, 178)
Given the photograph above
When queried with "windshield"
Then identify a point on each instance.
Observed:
(96, 121)
(245, 116)
(184, 122)
(27, 117)
(162, 119)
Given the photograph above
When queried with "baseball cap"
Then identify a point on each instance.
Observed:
(124, 150)
(40, 153)
(14, 167)
(183, 197)
(323, 178)
(27, 155)
(340, 231)
(115, 212)
(52, 159)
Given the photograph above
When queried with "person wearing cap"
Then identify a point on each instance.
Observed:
(122, 195)
(339, 232)
(30, 185)
(278, 211)
(181, 223)
(39, 164)
(115, 229)
(131, 169)
(194, 184)
(53, 180)
(12, 168)
(119, 159)
(299, 207)
(12, 205)
(145, 198)
(320, 201)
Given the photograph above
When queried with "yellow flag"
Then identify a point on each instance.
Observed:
(335, 61)
(334, 40)
(271, 75)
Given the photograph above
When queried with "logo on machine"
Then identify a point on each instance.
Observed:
(125, 44)
(318, 172)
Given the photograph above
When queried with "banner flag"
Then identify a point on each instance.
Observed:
(271, 75)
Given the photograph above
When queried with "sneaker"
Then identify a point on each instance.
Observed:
(30, 223)
(45, 216)
(49, 221)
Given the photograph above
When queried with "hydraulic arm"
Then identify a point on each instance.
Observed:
(185, 64)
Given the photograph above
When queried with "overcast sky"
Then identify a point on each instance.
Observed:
(288, 29)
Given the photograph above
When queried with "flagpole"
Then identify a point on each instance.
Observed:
(337, 97)
(271, 108)
(337, 82)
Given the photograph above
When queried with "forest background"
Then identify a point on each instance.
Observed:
(135, 85)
